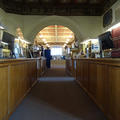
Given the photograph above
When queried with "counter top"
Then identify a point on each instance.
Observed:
(108, 61)
(16, 60)
(100, 59)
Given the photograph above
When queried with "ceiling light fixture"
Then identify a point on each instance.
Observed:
(44, 40)
(70, 36)
(68, 40)
(41, 36)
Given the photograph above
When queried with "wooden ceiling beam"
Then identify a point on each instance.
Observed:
(107, 4)
(50, 10)
(56, 8)
(54, 43)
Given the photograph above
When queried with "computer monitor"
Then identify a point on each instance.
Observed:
(8, 38)
(106, 41)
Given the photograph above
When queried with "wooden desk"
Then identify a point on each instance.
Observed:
(100, 78)
(17, 77)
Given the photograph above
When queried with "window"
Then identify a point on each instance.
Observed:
(56, 51)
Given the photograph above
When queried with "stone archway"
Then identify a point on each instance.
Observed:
(55, 20)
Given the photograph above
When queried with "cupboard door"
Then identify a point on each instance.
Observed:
(92, 79)
(101, 90)
(78, 74)
(3, 92)
(77, 70)
(81, 73)
(33, 72)
(16, 85)
(85, 75)
(114, 89)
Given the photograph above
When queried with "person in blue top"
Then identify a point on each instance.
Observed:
(48, 57)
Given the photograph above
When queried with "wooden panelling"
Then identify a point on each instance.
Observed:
(17, 77)
(81, 73)
(3, 92)
(114, 77)
(100, 78)
(101, 88)
(17, 84)
(92, 79)
(77, 71)
(22, 77)
(85, 75)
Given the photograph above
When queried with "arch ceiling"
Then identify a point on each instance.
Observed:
(55, 35)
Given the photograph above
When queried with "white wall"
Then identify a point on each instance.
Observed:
(11, 21)
(84, 27)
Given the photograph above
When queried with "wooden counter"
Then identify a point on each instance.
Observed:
(71, 67)
(100, 78)
(41, 67)
(17, 77)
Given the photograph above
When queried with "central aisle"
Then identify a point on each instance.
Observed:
(57, 97)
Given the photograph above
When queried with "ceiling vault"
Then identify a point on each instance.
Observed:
(55, 35)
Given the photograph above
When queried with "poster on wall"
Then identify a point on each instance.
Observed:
(95, 48)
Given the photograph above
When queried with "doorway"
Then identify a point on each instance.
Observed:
(59, 40)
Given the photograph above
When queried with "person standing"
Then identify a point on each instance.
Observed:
(48, 57)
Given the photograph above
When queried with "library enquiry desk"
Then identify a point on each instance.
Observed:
(17, 77)
(100, 79)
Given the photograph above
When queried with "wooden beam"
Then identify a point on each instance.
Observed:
(54, 8)
(49, 9)
(55, 43)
